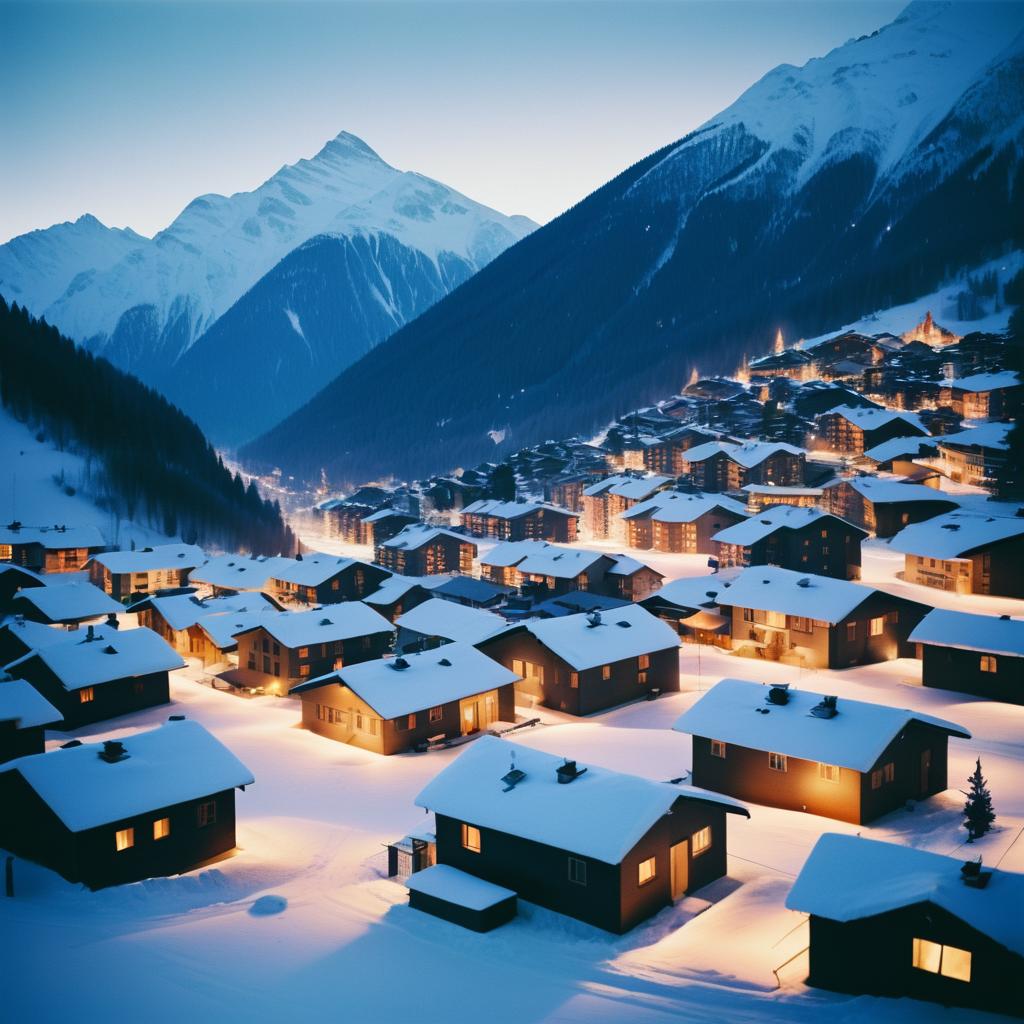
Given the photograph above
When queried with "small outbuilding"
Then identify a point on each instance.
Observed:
(64, 604)
(24, 716)
(436, 621)
(122, 574)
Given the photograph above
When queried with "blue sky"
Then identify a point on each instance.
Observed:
(129, 110)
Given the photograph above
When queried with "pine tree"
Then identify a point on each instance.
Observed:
(978, 812)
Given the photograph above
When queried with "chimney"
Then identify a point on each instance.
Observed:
(826, 709)
(568, 772)
(113, 751)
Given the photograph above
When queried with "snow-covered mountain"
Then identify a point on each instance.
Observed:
(858, 182)
(145, 304)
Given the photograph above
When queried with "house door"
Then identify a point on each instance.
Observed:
(926, 768)
(470, 717)
(680, 859)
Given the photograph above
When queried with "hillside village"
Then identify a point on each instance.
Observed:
(668, 684)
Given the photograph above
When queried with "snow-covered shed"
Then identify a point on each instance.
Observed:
(64, 603)
(436, 621)
(24, 715)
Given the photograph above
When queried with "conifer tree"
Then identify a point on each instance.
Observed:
(978, 811)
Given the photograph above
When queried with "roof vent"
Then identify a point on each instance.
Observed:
(972, 874)
(175, 718)
(90, 635)
(593, 619)
(1005, 618)
(399, 663)
(826, 709)
(805, 582)
(70, 744)
(445, 662)
(513, 776)
(951, 526)
(110, 649)
(326, 622)
(113, 751)
(778, 694)
(568, 772)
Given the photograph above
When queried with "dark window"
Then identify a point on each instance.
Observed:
(206, 813)
(577, 871)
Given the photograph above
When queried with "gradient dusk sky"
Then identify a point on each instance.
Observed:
(129, 110)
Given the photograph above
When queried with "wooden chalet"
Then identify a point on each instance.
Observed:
(49, 549)
(500, 564)
(966, 553)
(851, 431)
(397, 594)
(680, 522)
(316, 578)
(762, 496)
(978, 654)
(606, 848)
(567, 491)
(345, 518)
(897, 455)
(20, 636)
(285, 648)
(664, 455)
(384, 524)
(803, 539)
(436, 621)
(850, 345)
(122, 574)
(101, 675)
(689, 606)
(791, 362)
(64, 603)
(605, 502)
(892, 920)
(723, 466)
(519, 520)
(815, 621)
(802, 751)
(394, 705)
(25, 715)
(976, 456)
(421, 550)
(586, 663)
(156, 803)
(982, 396)
(817, 396)
(884, 507)
(473, 592)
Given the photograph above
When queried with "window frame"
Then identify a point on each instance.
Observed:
(128, 840)
(701, 841)
(159, 833)
(469, 834)
(577, 867)
(651, 864)
(719, 748)
(924, 950)
(778, 762)
(206, 813)
(86, 695)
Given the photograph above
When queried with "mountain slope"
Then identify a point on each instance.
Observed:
(854, 183)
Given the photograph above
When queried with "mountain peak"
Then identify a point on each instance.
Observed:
(347, 145)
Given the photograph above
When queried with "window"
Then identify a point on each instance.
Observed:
(471, 838)
(799, 624)
(717, 748)
(436, 714)
(988, 663)
(647, 871)
(304, 670)
(700, 842)
(606, 671)
(577, 871)
(888, 772)
(405, 723)
(86, 695)
(303, 652)
(335, 584)
(206, 813)
(876, 779)
(776, 619)
(277, 648)
(277, 668)
(644, 661)
(748, 614)
(266, 645)
(948, 961)
(161, 828)
(124, 839)
(828, 772)
(252, 661)
(641, 678)
(851, 631)
(777, 762)
(877, 626)
(574, 680)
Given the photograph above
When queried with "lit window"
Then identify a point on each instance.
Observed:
(336, 584)
(876, 779)
(303, 652)
(828, 772)
(647, 871)
(888, 772)
(574, 680)
(717, 748)
(577, 871)
(606, 671)
(878, 626)
(436, 714)
(206, 813)
(988, 663)
(641, 678)
(776, 619)
(748, 614)
(851, 631)
(701, 841)
(86, 695)
(471, 838)
(304, 670)
(124, 838)
(161, 828)
(644, 661)
(948, 961)
(405, 723)
(777, 762)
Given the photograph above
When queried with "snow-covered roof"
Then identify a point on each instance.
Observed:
(444, 882)
(415, 535)
(430, 678)
(471, 589)
(451, 621)
(696, 591)
(26, 577)
(508, 553)
(810, 492)
(53, 538)
(868, 418)
(601, 814)
(238, 572)
(854, 738)
(322, 625)
(560, 562)
(512, 509)
(770, 588)
(985, 435)
(622, 633)
(955, 533)
(626, 565)
(847, 878)
(979, 382)
(394, 588)
(778, 517)
(22, 704)
(385, 513)
(177, 762)
(180, 611)
(65, 602)
(748, 455)
(681, 507)
(990, 634)
(628, 486)
(885, 492)
(37, 634)
(165, 556)
(899, 446)
(125, 654)
(223, 627)
(313, 569)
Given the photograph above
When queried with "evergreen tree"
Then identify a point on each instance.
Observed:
(501, 484)
(978, 812)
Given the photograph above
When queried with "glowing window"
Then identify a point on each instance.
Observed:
(574, 680)
(647, 871)
(828, 772)
(606, 671)
(988, 663)
(161, 828)
(717, 748)
(303, 652)
(86, 695)
(701, 841)
(436, 714)
(948, 961)
(878, 626)
(644, 661)
(471, 838)
(777, 762)
(124, 839)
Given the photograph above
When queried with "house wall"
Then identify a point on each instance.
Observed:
(15, 742)
(824, 548)
(122, 585)
(950, 668)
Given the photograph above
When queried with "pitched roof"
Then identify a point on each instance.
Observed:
(621, 633)
(895, 447)
(172, 764)
(322, 625)
(682, 507)
(628, 485)
(415, 535)
(885, 492)
(695, 591)
(394, 588)
(601, 814)
(472, 589)
(450, 621)
(126, 654)
(313, 569)
(53, 538)
(429, 678)
(66, 602)
(748, 455)
(985, 435)
(22, 704)
(778, 517)
(560, 562)
(508, 553)
(979, 382)
(868, 418)
(813, 492)
(989, 634)
(180, 611)
(847, 878)
(34, 635)
(222, 628)
(955, 534)
(855, 738)
(238, 572)
(165, 556)
(512, 509)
